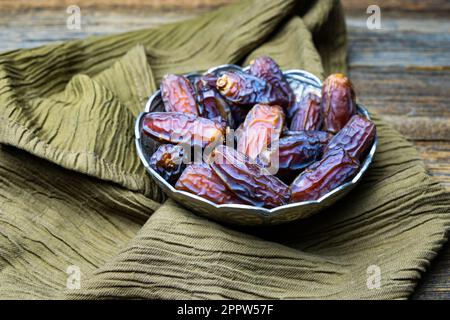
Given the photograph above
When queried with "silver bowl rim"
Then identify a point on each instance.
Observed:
(265, 212)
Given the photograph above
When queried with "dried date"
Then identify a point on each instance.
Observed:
(338, 102)
(355, 137)
(266, 68)
(308, 115)
(262, 125)
(251, 183)
(168, 162)
(336, 168)
(178, 94)
(323, 136)
(201, 180)
(239, 113)
(176, 127)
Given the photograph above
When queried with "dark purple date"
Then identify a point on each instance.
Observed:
(336, 168)
(338, 102)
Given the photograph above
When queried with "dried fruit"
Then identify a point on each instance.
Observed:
(211, 104)
(178, 94)
(266, 68)
(251, 183)
(262, 125)
(355, 137)
(278, 139)
(333, 170)
(338, 102)
(239, 113)
(323, 136)
(246, 90)
(307, 115)
(201, 180)
(295, 153)
(168, 161)
(176, 127)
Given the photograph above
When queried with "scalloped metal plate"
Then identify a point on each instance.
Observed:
(301, 82)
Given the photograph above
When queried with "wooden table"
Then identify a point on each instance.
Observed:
(401, 71)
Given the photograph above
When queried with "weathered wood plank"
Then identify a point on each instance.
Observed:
(402, 72)
(436, 155)
(111, 4)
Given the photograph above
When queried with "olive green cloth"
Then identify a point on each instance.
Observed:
(74, 193)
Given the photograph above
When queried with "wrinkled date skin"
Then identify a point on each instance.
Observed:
(323, 136)
(296, 152)
(338, 102)
(356, 137)
(201, 180)
(251, 183)
(262, 125)
(266, 68)
(176, 127)
(307, 115)
(211, 104)
(178, 94)
(246, 90)
(333, 170)
(168, 161)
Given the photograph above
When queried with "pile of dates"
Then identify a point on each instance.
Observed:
(258, 145)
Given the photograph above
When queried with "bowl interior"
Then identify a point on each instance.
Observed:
(302, 83)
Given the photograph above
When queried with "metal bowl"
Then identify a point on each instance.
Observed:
(302, 83)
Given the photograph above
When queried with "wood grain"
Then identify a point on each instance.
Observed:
(402, 72)
(437, 159)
